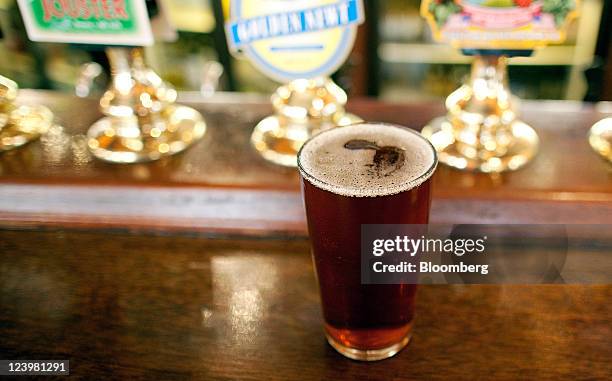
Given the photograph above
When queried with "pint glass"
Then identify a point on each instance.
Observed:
(365, 173)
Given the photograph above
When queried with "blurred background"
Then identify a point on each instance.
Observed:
(394, 57)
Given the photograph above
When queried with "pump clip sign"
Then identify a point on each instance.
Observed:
(108, 22)
(500, 24)
(294, 39)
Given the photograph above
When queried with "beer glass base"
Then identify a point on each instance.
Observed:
(368, 354)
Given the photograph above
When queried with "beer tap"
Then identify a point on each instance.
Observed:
(302, 108)
(19, 124)
(142, 121)
(481, 131)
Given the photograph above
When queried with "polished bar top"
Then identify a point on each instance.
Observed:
(130, 307)
(57, 182)
(227, 292)
(565, 166)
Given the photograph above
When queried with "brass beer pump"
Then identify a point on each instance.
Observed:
(19, 124)
(302, 108)
(481, 131)
(600, 138)
(142, 122)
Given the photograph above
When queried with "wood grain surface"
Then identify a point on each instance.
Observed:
(56, 181)
(131, 307)
(82, 278)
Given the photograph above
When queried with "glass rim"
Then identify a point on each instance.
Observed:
(419, 179)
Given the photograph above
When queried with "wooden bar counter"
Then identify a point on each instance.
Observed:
(198, 266)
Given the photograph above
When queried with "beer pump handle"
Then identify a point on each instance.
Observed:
(481, 130)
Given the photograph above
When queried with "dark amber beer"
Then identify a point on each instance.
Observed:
(363, 174)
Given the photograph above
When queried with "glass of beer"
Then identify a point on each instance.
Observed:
(368, 173)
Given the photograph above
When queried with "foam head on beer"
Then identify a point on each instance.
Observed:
(367, 160)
